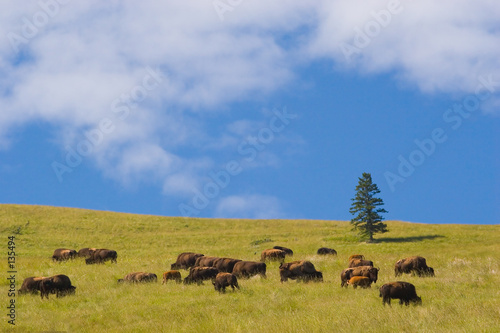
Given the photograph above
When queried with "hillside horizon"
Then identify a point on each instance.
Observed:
(222, 218)
(464, 258)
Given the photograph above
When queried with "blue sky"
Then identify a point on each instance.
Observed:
(252, 110)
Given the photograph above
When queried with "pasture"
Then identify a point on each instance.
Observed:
(464, 296)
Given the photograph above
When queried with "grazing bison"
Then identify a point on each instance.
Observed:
(273, 255)
(403, 291)
(172, 275)
(288, 252)
(64, 254)
(31, 285)
(100, 256)
(225, 264)
(199, 274)
(360, 262)
(86, 252)
(345, 276)
(301, 270)
(247, 269)
(361, 281)
(366, 271)
(223, 280)
(356, 256)
(325, 251)
(414, 265)
(205, 261)
(58, 284)
(185, 260)
(137, 277)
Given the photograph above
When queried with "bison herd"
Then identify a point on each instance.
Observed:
(224, 272)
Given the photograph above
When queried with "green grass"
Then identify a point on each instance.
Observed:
(463, 297)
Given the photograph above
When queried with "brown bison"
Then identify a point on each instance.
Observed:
(199, 274)
(57, 284)
(356, 256)
(137, 277)
(403, 291)
(31, 285)
(326, 251)
(301, 270)
(223, 280)
(205, 261)
(225, 264)
(64, 254)
(86, 252)
(361, 281)
(172, 275)
(247, 269)
(185, 260)
(414, 265)
(273, 255)
(366, 271)
(100, 256)
(360, 262)
(288, 252)
(345, 276)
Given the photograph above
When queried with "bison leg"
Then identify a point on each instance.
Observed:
(386, 300)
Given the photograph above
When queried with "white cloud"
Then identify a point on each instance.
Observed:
(89, 54)
(439, 47)
(249, 206)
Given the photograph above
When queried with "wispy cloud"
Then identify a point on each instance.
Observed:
(87, 55)
(250, 206)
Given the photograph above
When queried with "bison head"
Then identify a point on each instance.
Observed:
(417, 300)
(373, 274)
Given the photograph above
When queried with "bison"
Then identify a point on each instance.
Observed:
(172, 275)
(414, 265)
(100, 256)
(288, 252)
(223, 280)
(273, 255)
(199, 274)
(366, 271)
(345, 276)
(356, 256)
(247, 269)
(360, 262)
(225, 264)
(137, 277)
(361, 281)
(185, 260)
(301, 270)
(205, 261)
(86, 252)
(64, 254)
(31, 285)
(325, 251)
(404, 291)
(58, 284)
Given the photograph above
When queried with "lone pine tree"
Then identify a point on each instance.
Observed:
(367, 219)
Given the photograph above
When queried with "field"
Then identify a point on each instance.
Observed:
(463, 297)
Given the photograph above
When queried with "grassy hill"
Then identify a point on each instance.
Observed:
(463, 297)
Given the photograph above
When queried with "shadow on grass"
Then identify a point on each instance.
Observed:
(407, 239)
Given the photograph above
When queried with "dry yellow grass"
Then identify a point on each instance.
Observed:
(463, 297)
